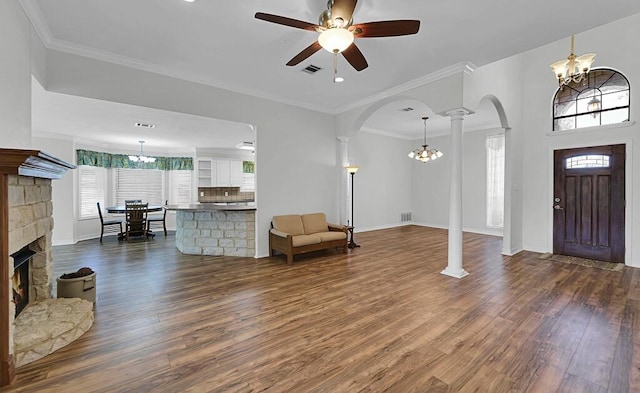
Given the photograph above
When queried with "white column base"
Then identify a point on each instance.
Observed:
(456, 273)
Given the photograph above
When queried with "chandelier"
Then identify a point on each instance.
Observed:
(573, 68)
(142, 157)
(425, 154)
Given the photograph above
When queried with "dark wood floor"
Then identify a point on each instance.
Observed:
(381, 318)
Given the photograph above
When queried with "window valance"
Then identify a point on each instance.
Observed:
(108, 160)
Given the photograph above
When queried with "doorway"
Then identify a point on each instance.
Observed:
(589, 204)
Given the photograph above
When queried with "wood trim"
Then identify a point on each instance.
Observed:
(7, 367)
(34, 163)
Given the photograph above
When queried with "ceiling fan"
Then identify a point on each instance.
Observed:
(337, 31)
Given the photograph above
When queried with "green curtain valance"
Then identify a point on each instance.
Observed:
(107, 160)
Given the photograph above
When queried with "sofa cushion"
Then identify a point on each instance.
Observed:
(304, 240)
(329, 236)
(291, 224)
(314, 223)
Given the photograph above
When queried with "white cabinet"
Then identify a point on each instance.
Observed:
(235, 173)
(206, 172)
(219, 173)
(222, 173)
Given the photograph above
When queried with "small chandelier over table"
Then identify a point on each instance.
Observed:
(423, 153)
(142, 157)
(574, 68)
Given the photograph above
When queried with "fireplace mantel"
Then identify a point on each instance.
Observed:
(31, 163)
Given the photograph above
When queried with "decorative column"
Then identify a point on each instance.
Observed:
(454, 266)
(343, 161)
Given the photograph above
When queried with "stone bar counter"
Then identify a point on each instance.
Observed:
(216, 229)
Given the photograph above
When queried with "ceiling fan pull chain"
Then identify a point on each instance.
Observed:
(335, 66)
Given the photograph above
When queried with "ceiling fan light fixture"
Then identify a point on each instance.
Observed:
(336, 39)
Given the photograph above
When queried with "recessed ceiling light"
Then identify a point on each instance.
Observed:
(189, 1)
(338, 79)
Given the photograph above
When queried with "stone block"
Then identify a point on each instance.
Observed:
(215, 251)
(13, 179)
(251, 243)
(186, 216)
(216, 233)
(206, 242)
(194, 250)
(32, 195)
(191, 233)
(45, 193)
(241, 225)
(16, 196)
(240, 243)
(189, 225)
(219, 216)
(39, 210)
(25, 181)
(203, 216)
(39, 261)
(208, 224)
(39, 277)
(226, 225)
(226, 243)
(235, 252)
(236, 217)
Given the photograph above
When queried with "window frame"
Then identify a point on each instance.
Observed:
(580, 89)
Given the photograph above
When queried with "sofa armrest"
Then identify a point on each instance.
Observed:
(278, 233)
(337, 228)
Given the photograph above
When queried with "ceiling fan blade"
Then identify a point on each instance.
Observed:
(308, 51)
(355, 57)
(387, 28)
(343, 9)
(283, 20)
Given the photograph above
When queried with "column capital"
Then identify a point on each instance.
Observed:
(457, 113)
(343, 139)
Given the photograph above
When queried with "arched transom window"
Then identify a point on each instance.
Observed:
(602, 98)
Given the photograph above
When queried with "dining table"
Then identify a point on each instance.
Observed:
(122, 210)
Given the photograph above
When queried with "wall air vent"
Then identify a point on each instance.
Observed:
(143, 125)
(311, 69)
(407, 109)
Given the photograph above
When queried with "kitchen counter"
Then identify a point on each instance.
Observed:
(216, 229)
(214, 206)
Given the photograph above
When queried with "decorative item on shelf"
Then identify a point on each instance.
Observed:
(423, 153)
(574, 68)
(142, 157)
(352, 169)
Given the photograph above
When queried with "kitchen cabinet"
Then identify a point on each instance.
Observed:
(219, 172)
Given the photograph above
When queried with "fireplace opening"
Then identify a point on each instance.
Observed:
(20, 278)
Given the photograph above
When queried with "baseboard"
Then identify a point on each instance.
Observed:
(479, 231)
(379, 227)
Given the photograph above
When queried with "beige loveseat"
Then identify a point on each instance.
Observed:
(295, 234)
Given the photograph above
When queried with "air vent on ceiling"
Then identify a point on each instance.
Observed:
(407, 109)
(311, 69)
(143, 125)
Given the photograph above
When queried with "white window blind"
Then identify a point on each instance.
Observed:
(248, 182)
(144, 184)
(495, 180)
(92, 189)
(180, 187)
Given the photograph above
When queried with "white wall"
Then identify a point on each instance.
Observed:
(296, 168)
(15, 76)
(382, 182)
(617, 47)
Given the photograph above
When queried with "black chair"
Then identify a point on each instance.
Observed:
(108, 223)
(159, 219)
(136, 220)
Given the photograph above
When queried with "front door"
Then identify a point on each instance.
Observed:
(588, 218)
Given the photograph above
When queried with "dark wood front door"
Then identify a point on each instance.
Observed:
(588, 218)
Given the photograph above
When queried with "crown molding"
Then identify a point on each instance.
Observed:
(464, 67)
(41, 27)
(388, 133)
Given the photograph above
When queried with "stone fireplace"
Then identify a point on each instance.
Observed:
(26, 218)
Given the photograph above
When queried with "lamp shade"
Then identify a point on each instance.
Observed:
(352, 168)
(336, 39)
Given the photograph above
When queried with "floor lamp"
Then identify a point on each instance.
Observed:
(352, 169)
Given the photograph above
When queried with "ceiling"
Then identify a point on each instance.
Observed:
(221, 44)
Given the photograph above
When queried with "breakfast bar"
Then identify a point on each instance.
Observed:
(215, 229)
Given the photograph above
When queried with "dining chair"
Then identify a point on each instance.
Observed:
(108, 224)
(136, 220)
(157, 219)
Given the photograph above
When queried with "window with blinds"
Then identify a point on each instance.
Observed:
(92, 189)
(144, 184)
(179, 187)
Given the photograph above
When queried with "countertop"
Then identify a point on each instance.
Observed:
(203, 207)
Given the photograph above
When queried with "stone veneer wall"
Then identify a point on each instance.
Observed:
(220, 232)
(31, 220)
